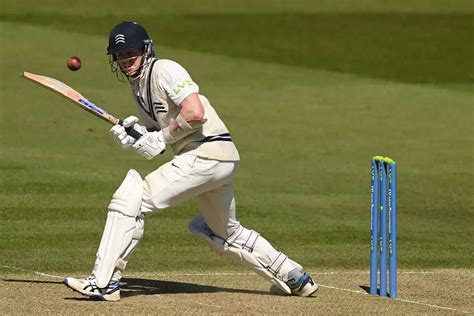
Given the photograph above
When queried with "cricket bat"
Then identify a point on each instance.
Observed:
(74, 96)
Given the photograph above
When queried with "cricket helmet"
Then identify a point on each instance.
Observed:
(127, 36)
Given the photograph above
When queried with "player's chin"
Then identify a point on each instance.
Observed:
(131, 72)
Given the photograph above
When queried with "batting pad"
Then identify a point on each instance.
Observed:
(250, 249)
(123, 228)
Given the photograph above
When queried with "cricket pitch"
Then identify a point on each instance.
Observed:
(446, 291)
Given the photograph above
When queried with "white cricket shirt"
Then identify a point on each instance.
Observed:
(158, 95)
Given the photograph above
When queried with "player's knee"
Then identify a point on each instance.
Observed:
(128, 197)
(198, 227)
(232, 229)
(154, 200)
(238, 236)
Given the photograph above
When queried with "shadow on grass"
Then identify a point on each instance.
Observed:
(135, 287)
(367, 290)
(32, 281)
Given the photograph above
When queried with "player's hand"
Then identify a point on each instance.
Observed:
(150, 145)
(120, 135)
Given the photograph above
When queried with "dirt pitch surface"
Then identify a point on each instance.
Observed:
(341, 292)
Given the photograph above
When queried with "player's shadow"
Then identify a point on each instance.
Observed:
(32, 281)
(135, 286)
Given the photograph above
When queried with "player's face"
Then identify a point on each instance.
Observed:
(130, 61)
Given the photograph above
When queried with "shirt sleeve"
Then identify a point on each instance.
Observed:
(176, 81)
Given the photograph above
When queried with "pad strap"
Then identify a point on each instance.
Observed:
(275, 266)
(232, 238)
(250, 243)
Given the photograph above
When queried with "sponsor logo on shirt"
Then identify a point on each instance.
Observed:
(180, 86)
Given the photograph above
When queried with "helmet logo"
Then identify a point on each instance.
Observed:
(119, 38)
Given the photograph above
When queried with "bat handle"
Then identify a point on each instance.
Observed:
(131, 131)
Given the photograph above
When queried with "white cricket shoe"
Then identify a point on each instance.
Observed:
(89, 287)
(305, 286)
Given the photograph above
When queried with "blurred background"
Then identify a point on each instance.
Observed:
(310, 91)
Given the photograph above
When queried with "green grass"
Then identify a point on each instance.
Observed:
(310, 95)
(335, 42)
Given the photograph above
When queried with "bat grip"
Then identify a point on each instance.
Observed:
(131, 131)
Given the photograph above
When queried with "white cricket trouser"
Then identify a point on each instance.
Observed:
(187, 176)
(210, 182)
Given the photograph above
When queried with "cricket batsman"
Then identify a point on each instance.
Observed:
(174, 114)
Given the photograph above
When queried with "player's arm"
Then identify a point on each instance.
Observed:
(189, 119)
(181, 89)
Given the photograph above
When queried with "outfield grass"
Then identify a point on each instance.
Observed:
(310, 95)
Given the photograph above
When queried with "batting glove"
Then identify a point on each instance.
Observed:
(150, 145)
(120, 135)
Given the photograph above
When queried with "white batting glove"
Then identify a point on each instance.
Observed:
(150, 145)
(120, 135)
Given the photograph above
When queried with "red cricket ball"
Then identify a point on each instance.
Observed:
(74, 63)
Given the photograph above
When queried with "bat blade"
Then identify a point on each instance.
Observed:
(71, 94)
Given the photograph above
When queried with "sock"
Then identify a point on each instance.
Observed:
(116, 276)
(294, 277)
